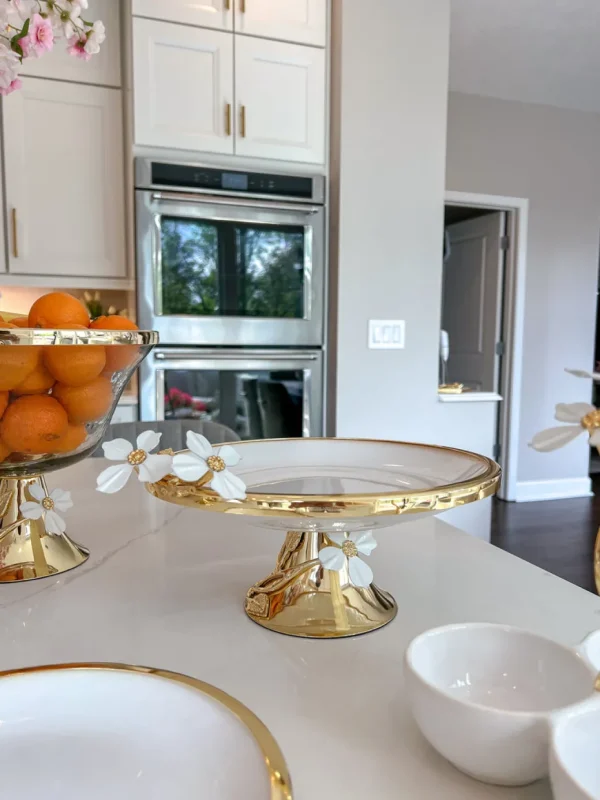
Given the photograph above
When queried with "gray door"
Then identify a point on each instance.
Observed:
(472, 301)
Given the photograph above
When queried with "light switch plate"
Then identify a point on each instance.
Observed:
(386, 334)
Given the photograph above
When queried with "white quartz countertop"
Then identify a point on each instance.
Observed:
(164, 587)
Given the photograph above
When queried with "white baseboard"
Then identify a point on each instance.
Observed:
(530, 491)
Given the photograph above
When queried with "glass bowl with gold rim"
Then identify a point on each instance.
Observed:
(329, 495)
(58, 391)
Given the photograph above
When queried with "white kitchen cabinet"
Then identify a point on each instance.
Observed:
(183, 87)
(65, 180)
(103, 69)
(280, 100)
(205, 13)
(302, 21)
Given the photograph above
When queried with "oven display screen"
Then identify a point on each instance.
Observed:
(234, 180)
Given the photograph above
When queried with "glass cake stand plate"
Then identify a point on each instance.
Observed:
(325, 493)
(99, 731)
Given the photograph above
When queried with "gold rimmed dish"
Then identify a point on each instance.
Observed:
(55, 416)
(128, 733)
(328, 493)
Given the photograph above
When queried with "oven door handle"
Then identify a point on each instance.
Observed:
(223, 201)
(235, 356)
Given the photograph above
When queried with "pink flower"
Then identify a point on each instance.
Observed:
(40, 38)
(16, 84)
(77, 47)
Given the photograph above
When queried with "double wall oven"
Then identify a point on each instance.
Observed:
(231, 273)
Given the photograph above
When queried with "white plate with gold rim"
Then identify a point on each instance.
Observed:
(329, 493)
(99, 731)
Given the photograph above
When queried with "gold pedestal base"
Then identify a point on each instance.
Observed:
(301, 598)
(27, 551)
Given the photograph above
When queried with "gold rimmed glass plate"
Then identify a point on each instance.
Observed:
(319, 490)
(99, 731)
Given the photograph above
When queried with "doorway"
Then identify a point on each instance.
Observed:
(482, 309)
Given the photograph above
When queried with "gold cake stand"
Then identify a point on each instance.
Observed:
(300, 597)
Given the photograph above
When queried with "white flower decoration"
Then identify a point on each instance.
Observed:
(202, 458)
(46, 507)
(583, 417)
(150, 468)
(582, 373)
(345, 553)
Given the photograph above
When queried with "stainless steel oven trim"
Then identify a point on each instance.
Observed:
(143, 180)
(152, 376)
(252, 332)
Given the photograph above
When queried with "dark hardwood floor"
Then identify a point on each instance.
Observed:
(556, 535)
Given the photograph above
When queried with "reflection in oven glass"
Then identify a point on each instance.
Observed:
(232, 269)
(255, 404)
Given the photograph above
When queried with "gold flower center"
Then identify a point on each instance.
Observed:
(349, 549)
(48, 503)
(215, 463)
(591, 421)
(137, 457)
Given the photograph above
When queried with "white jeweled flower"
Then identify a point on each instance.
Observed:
(582, 373)
(346, 551)
(582, 416)
(192, 466)
(150, 468)
(46, 507)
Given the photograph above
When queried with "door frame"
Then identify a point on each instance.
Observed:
(512, 325)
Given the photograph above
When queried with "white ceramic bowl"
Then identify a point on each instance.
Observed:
(485, 696)
(575, 754)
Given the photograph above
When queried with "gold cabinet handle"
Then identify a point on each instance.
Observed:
(243, 122)
(243, 6)
(227, 5)
(227, 119)
(15, 236)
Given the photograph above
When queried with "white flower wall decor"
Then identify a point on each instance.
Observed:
(46, 507)
(345, 551)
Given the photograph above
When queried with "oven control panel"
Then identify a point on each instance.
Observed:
(187, 176)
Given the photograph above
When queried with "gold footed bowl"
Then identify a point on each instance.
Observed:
(330, 496)
(55, 415)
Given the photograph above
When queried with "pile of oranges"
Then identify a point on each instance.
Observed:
(48, 393)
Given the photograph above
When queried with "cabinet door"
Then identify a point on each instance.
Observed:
(102, 69)
(206, 13)
(183, 85)
(280, 91)
(65, 180)
(303, 21)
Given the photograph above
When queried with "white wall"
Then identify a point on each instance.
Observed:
(393, 80)
(389, 98)
(552, 157)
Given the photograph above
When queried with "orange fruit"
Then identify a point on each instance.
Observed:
(85, 403)
(75, 365)
(37, 382)
(58, 310)
(4, 451)
(16, 362)
(7, 324)
(3, 402)
(20, 322)
(74, 436)
(118, 356)
(31, 424)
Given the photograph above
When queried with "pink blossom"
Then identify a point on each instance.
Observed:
(77, 47)
(40, 38)
(16, 84)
